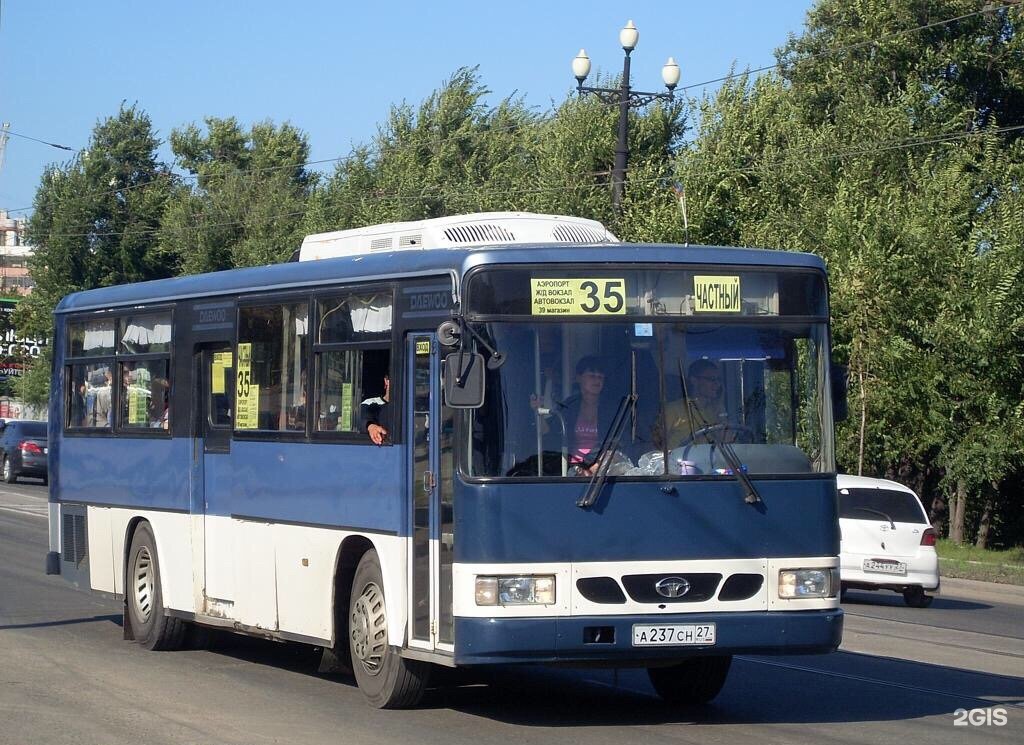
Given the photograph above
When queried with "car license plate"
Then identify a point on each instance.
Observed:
(885, 566)
(654, 635)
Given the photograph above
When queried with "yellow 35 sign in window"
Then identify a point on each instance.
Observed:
(578, 297)
(247, 393)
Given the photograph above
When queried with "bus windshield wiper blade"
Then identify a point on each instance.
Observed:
(750, 495)
(607, 452)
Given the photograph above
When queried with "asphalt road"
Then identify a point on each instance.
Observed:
(66, 676)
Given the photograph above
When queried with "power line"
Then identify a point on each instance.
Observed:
(44, 142)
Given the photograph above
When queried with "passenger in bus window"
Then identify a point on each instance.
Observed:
(372, 410)
(159, 411)
(701, 406)
(98, 411)
(587, 414)
(77, 409)
(297, 412)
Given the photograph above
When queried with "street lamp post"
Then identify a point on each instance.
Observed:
(625, 97)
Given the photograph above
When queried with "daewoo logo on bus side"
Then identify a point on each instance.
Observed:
(217, 315)
(429, 301)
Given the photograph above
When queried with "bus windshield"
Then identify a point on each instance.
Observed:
(761, 386)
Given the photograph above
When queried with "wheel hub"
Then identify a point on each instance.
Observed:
(368, 628)
(143, 581)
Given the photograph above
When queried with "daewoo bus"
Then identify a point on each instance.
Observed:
(589, 453)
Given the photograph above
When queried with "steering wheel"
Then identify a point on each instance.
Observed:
(744, 435)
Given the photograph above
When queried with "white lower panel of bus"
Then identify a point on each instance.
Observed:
(569, 601)
(266, 575)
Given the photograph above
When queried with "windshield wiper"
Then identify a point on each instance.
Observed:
(611, 443)
(875, 512)
(607, 452)
(750, 495)
(749, 490)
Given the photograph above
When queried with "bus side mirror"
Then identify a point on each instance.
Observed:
(464, 387)
(840, 384)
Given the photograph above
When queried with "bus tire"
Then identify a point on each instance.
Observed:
(386, 679)
(694, 681)
(151, 626)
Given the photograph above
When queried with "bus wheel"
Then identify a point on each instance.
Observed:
(152, 628)
(387, 680)
(695, 681)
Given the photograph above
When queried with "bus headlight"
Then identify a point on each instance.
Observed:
(809, 583)
(520, 590)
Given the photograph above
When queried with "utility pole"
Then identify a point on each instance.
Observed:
(3, 142)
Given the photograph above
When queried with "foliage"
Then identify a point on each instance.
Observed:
(453, 154)
(894, 164)
(95, 223)
(245, 205)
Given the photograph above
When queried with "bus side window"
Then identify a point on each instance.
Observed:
(270, 368)
(351, 346)
(351, 388)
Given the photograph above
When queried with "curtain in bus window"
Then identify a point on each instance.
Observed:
(90, 339)
(149, 333)
(371, 319)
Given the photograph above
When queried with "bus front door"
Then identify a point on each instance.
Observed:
(429, 424)
(213, 544)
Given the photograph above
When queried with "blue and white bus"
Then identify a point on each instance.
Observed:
(494, 439)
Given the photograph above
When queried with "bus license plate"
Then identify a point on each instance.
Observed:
(885, 566)
(651, 635)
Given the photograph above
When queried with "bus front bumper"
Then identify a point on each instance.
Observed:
(609, 639)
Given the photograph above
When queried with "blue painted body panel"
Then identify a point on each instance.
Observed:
(638, 521)
(347, 485)
(140, 472)
(484, 641)
(293, 482)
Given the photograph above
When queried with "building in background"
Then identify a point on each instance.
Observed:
(15, 351)
(14, 255)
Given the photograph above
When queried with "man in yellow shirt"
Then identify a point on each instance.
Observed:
(702, 407)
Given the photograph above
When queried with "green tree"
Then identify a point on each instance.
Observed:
(246, 203)
(861, 156)
(454, 154)
(94, 224)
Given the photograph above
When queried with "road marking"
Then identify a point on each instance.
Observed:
(22, 495)
(26, 509)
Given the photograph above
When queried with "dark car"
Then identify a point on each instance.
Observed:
(23, 449)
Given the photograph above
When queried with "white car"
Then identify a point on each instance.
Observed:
(887, 542)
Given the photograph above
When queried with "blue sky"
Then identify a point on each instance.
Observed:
(332, 68)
